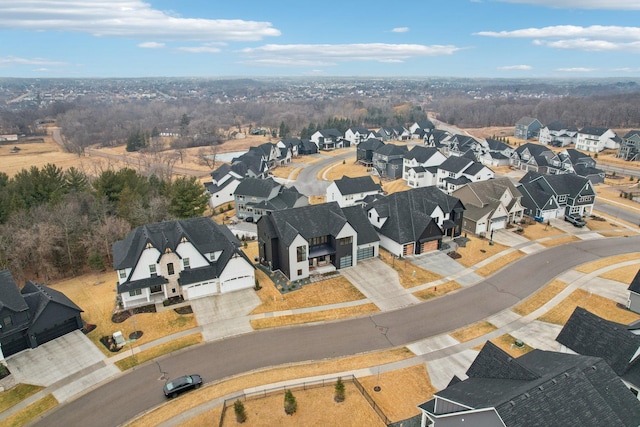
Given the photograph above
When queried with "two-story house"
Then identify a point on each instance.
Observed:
(630, 146)
(365, 150)
(574, 161)
(188, 258)
(255, 197)
(388, 159)
(356, 135)
(328, 139)
(596, 139)
(414, 221)
(224, 181)
(537, 158)
(33, 315)
(572, 193)
(461, 145)
(490, 205)
(455, 172)
(419, 166)
(496, 153)
(557, 134)
(527, 128)
(352, 191)
(315, 239)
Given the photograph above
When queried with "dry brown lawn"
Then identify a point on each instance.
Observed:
(596, 304)
(316, 316)
(395, 186)
(340, 169)
(437, 291)
(316, 407)
(473, 331)
(286, 172)
(158, 350)
(209, 418)
(233, 385)
(401, 391)
(95, 294)
(338, 152)
(501, 262)
(605, 262)
(24, 416)
(316, 200)
(622, 274)
(251, 250)
(540, 298)
(594, 225)
(559, 241)
(325, 292)
(507, 343)
(491, 131)
(478, 250)
(409, 274)
(536, 230)
(220, 218)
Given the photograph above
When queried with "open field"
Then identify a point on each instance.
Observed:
(596, 304)
(256, 379)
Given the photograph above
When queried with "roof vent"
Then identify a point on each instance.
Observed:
(594, 368)
(540, 388)
(512, 403)
(555, 381)
(526, 395)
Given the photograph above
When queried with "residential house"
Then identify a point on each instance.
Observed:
(490, 205)
(414, 221)
(352, 191)
(633, 303)
(188, 258)
(288, 149)
(34, 315)
(307, 147)
(527, 128)
(365, 150)
(224, 182)
(461, 145)
(315, 239)
(539, 388)
(387, 160)
(537, 158)
(496, 153)
(538, 202)
(455, 172)
(619, 345)
(356, 135)
(328, 139)
(255, 197)
(574, 161)
(630, 146)
(436, 138)
(572, 193)
(557, 134)
(422, 130)
(251, 164)
(398, 133)
(420, 166)
(596, 139)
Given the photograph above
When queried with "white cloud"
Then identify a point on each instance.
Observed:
(516, 67)
(583, 4)
(124, 18)
(323, 54)
(559, 31)
(14, 60)
(151, 45)
(576, 70)
(400, 30)
(199, 49)
(593, 45)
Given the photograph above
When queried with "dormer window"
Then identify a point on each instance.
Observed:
(167, 251)
(183, 240)
(148, 246)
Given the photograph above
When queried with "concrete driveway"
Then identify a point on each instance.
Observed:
(225, 315)
(380, 284)
(441, 263)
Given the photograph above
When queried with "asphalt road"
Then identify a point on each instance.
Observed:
(140, 389)
(617, 212)
(632, 169)
(308, 184)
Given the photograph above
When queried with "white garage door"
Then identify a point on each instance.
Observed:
(237, 283)
(498, 225)
(199, 290)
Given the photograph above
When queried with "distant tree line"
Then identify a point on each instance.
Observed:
(56, 223)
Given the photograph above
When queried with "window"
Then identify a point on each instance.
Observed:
(170, 270)
(300, 272)
(155, 289)
(123, 274)
(185, 261)
(301, 253)
(345, 241)
(135, 292)
(7, 321)
(315, 241)
(152, 269)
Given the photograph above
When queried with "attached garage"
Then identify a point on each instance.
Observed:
(407, 249)
(364, 253)
(198, 290)
(16, 345)
(56, 331)
(346, 261)
(498, 223)
(429, 246)
(237, 283)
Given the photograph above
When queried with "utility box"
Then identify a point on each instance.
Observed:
(119, 339)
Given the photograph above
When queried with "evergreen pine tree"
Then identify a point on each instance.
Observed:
(241, 414)
(339, 391)
(290, 404)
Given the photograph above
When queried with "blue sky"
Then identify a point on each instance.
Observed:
(238, 38)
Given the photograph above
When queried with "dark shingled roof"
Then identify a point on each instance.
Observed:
(544, 388)
(38, 296)
(256, 187)
(593, 130)
(361, 184)
(455, 164)
(392, 150)
(10, 296)
(370, 144)
(358, 220)
(421, 153)
(495, 145)
(635, 284)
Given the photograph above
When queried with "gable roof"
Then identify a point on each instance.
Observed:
(593, 130)
(533, 195)
(391, 150)
(491, 190)
(455, 164)
(10, 296)
(361, 184)
(333, 133)
(527, 121)
(308, 221)
(38, 297)
(358, 220)
(256, 187)
(635, 284)
(370, 144)
(545, 388)
(495, 145)
(421, 153)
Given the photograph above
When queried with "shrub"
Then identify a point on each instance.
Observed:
(96, 262)
(290, 404)
(339, 391)
(241, 414)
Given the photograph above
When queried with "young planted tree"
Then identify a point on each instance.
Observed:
(241, 414)
(290, 404)
(339, 391)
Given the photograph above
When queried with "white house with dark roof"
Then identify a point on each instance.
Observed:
(596, 139)
(573, 194)
(557, 134)
(455, 172)
(189, 258)
(496, 153)
(352, 191)
(315, 239)
(633, 303)
(419, 166)
(356, 135)
(224, 182)
(539, 388)
(327, 139)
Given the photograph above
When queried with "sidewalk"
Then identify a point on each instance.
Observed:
(443, 352)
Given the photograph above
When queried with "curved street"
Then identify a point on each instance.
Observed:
(140, 389)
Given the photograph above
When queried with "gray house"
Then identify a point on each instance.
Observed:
(630, 146)
(33, 316)
(527, 128)
(255, 197)
(634, 294)
(388, 159)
